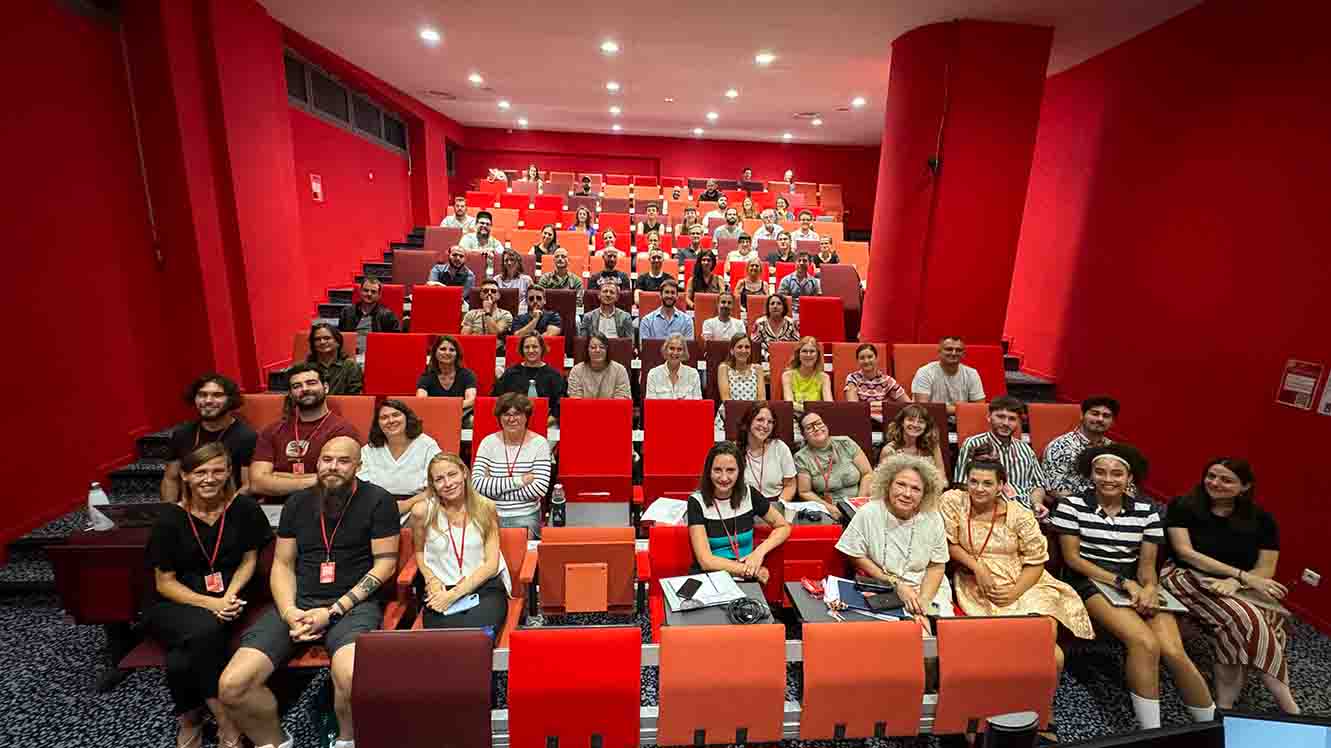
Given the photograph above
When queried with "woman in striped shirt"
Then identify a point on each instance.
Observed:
(512, 466)
(1112, 538)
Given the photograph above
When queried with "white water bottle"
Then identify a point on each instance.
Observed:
(97, 497)
(531, 388)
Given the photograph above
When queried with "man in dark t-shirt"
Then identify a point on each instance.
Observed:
(216, 398)
(286, 455)
(337, 545)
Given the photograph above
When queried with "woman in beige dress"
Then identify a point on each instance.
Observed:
(1002, 553)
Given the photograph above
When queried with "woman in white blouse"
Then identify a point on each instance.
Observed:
(674, 380)
(397, 453)
(898, 537)
(768, 464)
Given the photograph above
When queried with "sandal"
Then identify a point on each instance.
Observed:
(195, 740)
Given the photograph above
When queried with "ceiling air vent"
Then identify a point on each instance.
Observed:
(806, 115)
(441, 95)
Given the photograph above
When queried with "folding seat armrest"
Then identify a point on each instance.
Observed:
(528, 573)
(644, 567)
(394, 613)
(404, 577)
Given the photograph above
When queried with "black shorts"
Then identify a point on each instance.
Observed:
(1086, 589)
(272, 636)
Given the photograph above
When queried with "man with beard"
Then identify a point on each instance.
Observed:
(459, 218)
(286, 457)
(947, 380)
(337, 544)
(666, 319)
(368, 315)
(481, 240)
(691, 252)
(607, 318)
(731, 229)
(216, 398)
(561, 277)
(611, 273)
(1060, 458)
(454, 272)
(1025, 478)
(718, 212)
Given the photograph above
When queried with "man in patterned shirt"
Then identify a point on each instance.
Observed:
(1000, 444)
(1060, 457)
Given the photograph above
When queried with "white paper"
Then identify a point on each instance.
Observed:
(1324, 405)
(795, 507)
(666, 511)
(718, 588)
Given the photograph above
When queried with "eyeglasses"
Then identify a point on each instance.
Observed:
(488, 292)
(513, 415)
(814, 426)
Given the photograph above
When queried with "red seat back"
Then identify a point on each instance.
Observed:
(440, 239)
(569, 686)
(782, 270)
(394, 361)
(537, 219)
(976, 655)
(597, 451)
(478, 354)
(823, 318)
(550, 202)
(411, 267)
(436, 309)
(514, 200)
(677, 435)
(480, 199)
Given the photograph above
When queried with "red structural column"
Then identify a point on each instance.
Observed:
(963, 105)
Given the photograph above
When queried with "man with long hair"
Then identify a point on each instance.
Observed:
(216, 399)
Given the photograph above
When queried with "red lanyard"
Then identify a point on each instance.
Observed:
(295, 427)
(992, 521)
(217, 545)
(732, 539)
(323, 528)
(457, 549)
(827, 472)
(512, 464)
(762, 467)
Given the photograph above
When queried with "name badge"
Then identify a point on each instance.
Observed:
(327, 572)
(213, 582)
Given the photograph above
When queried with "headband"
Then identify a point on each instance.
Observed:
(1112, 456)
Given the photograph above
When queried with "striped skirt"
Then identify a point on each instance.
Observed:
(1244, 634)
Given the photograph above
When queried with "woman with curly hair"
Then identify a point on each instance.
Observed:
(912, 431)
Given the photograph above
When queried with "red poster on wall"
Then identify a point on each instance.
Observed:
(317, 187)
(1298, 383)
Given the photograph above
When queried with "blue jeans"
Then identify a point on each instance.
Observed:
(532, 522)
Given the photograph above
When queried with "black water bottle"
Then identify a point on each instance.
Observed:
(557, 506)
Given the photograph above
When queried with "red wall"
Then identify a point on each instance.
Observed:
(854, 167)
(360, 213)
(1173, 252)
(91, 362)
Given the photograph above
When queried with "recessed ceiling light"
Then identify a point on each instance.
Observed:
(712, 116)
(732, 94)
(669, 99)
(430, 35)
(503, 104)
(475, 79)
(786, 136)
(609, 46)
(522, 122)
(697, 131)
(615, 110)
(764, 58)
(816, 122)
(616, 128)
(612, 86)
(857, 102)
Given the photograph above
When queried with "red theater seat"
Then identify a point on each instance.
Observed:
(978, 655)
(843, 282)
(596, 448)
(719, 680)
(537, 220)
(441, 418)
(880, 696)
(394, 361)
(668, 555)
(438, 240)
(484, 422)
(480, 199)
(356, 409)
(551, 202)
(1049, 421)
(478, 354)
(823, 318)
(411, 268)
(436, 309)
(639, 179)
(515, 201)
(782, 270)
(676, 437)
(575, 686)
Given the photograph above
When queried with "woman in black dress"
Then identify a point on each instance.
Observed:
(203, 552)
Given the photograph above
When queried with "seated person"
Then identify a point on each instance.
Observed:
(537, 319)
(339, 371)
(674, 379)
(898, 537)
(582, 221)
(395, 457)
(532, 174)
(718, 212)
(804, 378)
(1113, 538)
(826, 255)
(802, 282)
(454, 273)
(287, 452)
(770, 228)
(740, 376)
(445, 376)
(747, 210)
(599, 377)
(913, 432)
(1025, 479)
(512, 466)
(451, 567)
(652, 222)
(490, 318)
(777, 324)
(871, 384)
(730, 230)
(1001, 553)
(704, 278)
(830, 468)
(695, 248)
(1060, 457)
(608, 238)
(368, 315)
(723, 326)
(611, 273)
(743, 251)
(336, 545)
(689, 221)
(201, 566)
(510, 273)
(216, 398)
(607, 319)
(481, 240)
(548, 244)
(561, 277)
(753, 282)
(769, 466)
(947, 380)
(533, 374)
(1223, 542)
(721, 515)
(655, 275)
(585, 188)
(805, 232)
(666, 319)
(783, 212)
(711, 194)
(459, 219)
(784, 252)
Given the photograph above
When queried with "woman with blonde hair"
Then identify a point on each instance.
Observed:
(456, 534)
(804, 378)
(898, 537)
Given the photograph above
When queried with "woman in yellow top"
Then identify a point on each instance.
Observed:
(1001, 553)
(804, 379)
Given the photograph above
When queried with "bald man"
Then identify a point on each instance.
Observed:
(336, 546)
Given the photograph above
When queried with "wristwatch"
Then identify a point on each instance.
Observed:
(1121, 582)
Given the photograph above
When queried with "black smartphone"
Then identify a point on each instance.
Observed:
(687, 589)
(883, 601)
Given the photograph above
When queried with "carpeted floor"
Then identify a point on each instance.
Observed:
(50, 665)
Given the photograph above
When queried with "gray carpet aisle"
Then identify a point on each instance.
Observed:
(49, 666)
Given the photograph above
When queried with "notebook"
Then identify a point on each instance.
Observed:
(1119, 599)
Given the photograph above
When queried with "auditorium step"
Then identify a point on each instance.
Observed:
(383, 270)
(1011, 362)
(1029, 388)
(156, 445)
(330, 310)
(340, 295)
(138, 478)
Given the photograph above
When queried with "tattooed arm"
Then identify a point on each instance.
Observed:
(384, 551)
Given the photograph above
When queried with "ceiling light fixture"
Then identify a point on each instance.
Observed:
(610, 47)
(522, 122)
(697, 131)
(732, 94)
(475, 79)
(712, 116)
(616, 128)
(615, 110)
(430, 35)
(816, 122)
(786, 136)
(503, 104)
(612, 87)
(857, 102)
(669, 99)
(764, 58)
